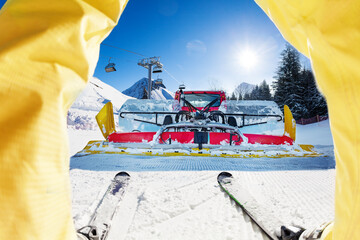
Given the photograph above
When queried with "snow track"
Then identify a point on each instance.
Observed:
(303, 198)
(179, 198)
(111, 162)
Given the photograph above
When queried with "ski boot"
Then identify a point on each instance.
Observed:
(290, 233)
(299, 233)
(88, 233)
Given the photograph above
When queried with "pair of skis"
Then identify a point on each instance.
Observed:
(100, 222)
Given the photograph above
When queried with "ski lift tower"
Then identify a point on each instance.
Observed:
(148, 63)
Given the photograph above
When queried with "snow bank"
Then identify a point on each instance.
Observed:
(81, 115)
(81, 123)
(96, 94)
(79, 138)
(315, 134)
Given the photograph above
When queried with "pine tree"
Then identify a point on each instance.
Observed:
(260, 92)
(145, 94)
(307, 82)
(314, 101)
(247, 96)
(288, 87)
(255, 93)
(264, 90)
(296, 87)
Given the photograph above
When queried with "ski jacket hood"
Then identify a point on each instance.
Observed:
(48, 51)
(328, 33)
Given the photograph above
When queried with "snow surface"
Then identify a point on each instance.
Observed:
(96, 94)
(179, 198)
(316, 134)
(190, 204)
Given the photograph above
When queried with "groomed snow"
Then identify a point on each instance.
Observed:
(79, 138)
(316, 133)
(190, 204)
(179, 198)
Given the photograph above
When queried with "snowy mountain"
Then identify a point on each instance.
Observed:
(139, 89)
(244, 88)
(82, 113)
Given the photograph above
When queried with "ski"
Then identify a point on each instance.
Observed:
(100, 222)
(245, 201)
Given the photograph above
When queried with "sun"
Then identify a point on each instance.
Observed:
(248, 58)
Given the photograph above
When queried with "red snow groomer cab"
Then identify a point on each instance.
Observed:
(197, 123)
(200, 99)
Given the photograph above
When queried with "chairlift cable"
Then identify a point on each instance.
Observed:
(123, 49)
(172, 76)
(120, 59)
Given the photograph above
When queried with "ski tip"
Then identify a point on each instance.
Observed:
(223, 175)
(122, 174)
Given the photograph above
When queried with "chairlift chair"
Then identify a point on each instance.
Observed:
(182, 86)
(110, 67)
(157, 69)
(158, 81)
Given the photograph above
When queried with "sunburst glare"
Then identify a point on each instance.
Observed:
(248, 58)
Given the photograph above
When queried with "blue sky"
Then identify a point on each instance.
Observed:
(202, 43)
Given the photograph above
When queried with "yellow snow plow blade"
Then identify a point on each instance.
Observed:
(105, 120)
(289, 123)
(268, 151)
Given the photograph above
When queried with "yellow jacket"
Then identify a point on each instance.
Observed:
(328, 32)
(48, 50)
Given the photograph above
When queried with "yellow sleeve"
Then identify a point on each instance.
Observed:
(327, 233)
(48, 50)
(328, 32)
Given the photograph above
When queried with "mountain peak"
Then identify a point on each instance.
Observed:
(245, 88)
(246, 84)
(139, 90)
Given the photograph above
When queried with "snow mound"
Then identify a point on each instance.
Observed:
(96, 94)
(82, 113)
